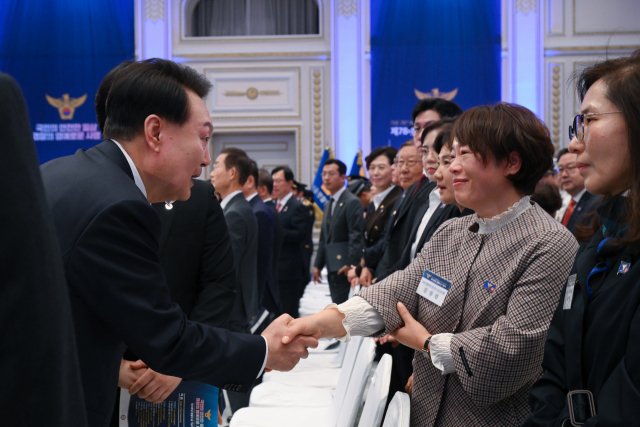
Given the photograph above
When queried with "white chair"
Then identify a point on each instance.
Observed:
(341, 412)
(272, 393)
(330, 359)
(377, 394)
(326, 346)
(399, 411)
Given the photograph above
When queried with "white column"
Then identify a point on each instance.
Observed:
(153, 32)
(348, 94)
(523, 73)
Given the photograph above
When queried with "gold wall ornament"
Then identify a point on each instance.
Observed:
(66, 106)
(252, 93)
(435, 93)
(556, 101)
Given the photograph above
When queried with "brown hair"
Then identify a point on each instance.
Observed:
(444, 124)
(237, 158)
(621, 77)
(548, 197)
(499, 130)
(444, 137)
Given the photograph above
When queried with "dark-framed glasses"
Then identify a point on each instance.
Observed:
(576, 130)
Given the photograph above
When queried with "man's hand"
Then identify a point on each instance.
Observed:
(284, 356)
(344, 270)
(130, 372)
(352, 277)
(154, 387)
(409, 387)
(316, 276)
(387, 339)
(366, 277)
(412, 334)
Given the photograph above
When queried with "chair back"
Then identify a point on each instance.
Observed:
(399, 411)
(377, 394)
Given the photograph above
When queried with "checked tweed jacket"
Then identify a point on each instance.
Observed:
(499, 335)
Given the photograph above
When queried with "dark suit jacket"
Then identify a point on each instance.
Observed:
(373, 254)
(346, 226)
(39, 368)
(278, 237)
(377, 218)
(586, 205)
(243, 230)
(308, 241)
(108, 238)
(267, 288)
(196, 256)
(293, 217)
(415, 198)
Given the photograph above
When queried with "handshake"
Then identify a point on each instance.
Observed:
(288, 338)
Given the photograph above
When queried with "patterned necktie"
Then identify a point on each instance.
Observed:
(278, 206)
(568, 212)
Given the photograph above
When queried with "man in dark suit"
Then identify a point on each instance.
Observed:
(230, 173)
(582, 202)
(307, 249)
(268, 292)
(108, 237)
(265, 188)
(340, 244)
(39, 364)
(293, 217)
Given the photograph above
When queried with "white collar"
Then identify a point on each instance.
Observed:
(338, 194)
(285, 199)
(249, 198)
(378, 198)
(434, 197)
(134, 170)
(230, 196)
(578, 196)
(487, 226)
(268, 199)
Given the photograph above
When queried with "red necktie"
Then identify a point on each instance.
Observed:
(278, 207)
(568, 212)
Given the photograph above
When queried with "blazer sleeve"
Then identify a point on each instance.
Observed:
(216, 287)
(486, 358)
(320, 257)
(116, 260)
(296, 233)
(355, 222)
(265, 248)
(237, 235)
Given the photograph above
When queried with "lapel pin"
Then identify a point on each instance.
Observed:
(381, 207)
(285, 208)
(624, 267)
(341, 204)
(168, 205)
(489, 286)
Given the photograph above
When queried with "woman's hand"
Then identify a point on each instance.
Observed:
(366, 277)
(412, 334)
(409, 387)
(326, 324)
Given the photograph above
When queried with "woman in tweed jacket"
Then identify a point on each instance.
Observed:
(483, 342)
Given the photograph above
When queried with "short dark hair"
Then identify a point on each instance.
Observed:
(409, 143)
(308, 194)
(441, 106)
(264, 178)
(444, 138)
(499, 130)
(437, 125)
(154, 86)
(254, 172)
(288, 173)
(561, 153)
(342, 168)
(547, 196)
(389, 152)
(103, 93)
(238, 159)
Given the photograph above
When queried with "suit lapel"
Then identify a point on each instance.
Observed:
(113, 153)
(432, 221)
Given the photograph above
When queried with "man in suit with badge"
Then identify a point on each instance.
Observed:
(340, 244)
(582, 202)
(108, 235)
(229, 174)
(293, 216)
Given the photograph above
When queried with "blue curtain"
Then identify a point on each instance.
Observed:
(429, 44)
(57, 47)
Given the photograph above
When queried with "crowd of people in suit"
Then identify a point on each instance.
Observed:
(500, 277)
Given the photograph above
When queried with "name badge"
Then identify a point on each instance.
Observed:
(433, 287)
(568, 295)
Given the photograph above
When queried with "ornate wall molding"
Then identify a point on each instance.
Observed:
(347, 8)
(316, 114)
(525, 6)
(154, 10)
(554, 71)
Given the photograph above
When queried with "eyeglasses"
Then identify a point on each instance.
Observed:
(569, 168)
(576, 130)
(330, 173)
(417, 128)
(410, 163)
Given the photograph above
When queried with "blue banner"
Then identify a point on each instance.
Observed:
(59, 51)
(320, 194)
(357, 168)
(422, 49)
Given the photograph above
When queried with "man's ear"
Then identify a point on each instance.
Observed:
(153, 125)
(513, 164)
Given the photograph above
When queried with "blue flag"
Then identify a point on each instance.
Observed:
(321, 195)
(357, 167)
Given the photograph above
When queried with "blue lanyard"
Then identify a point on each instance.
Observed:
(596, 269)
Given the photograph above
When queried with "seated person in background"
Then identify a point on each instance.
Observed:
(483, 288)
(548, 197)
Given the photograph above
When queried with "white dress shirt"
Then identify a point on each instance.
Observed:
(434, 202)
(378, 198)
(230, 196)
(283, 201)
(250, 198)
(134, 170)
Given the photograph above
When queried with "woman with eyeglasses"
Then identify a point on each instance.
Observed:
(476, 302)
(592, 354)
